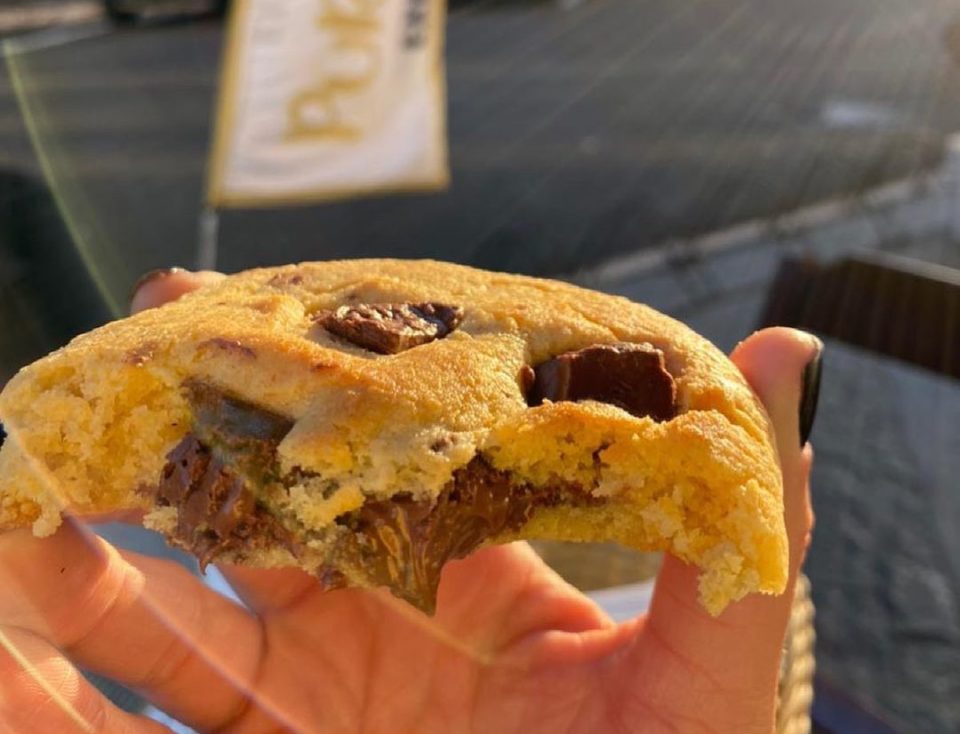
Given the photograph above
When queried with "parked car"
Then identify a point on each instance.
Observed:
(128, 11)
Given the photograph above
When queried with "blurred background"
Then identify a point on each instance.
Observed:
(734, 163)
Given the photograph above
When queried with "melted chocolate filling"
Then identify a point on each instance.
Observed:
(222, 476)
(403, 544)
(399, 543)
(217, 512)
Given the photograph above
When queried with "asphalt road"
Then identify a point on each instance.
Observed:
(577, 131)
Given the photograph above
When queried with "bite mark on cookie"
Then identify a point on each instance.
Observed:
(222, 483)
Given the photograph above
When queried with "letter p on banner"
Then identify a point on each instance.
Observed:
(326, 99)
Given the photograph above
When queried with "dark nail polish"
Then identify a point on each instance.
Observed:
(810, 394)
(150, 276)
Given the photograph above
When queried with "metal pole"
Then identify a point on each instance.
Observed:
(209, 229)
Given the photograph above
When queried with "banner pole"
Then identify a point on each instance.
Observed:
(208, 233)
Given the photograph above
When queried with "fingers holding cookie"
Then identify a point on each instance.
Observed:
(144, 622)
(161, 286)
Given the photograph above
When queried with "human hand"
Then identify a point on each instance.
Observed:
(512, 648)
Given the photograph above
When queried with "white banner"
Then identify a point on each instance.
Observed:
(324, 99)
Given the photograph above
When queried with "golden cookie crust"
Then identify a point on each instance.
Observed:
(92, 423)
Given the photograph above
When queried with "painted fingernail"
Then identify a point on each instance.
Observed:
(150, 277)
(810, 393)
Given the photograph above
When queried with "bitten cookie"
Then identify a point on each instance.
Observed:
(370, 420)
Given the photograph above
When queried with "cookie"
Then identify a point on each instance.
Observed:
(369, 420)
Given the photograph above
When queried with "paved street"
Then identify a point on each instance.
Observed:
(575, 133)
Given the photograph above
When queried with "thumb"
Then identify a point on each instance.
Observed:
(738, 653)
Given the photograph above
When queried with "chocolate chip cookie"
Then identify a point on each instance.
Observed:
(370, 420)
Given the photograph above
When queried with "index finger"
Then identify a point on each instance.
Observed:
(144, 622)
(162, 286)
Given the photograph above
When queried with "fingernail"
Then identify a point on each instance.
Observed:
(810, 394)
(150, 277)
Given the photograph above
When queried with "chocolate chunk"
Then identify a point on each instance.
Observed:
(215, 475)
(389, 328)
(403, 544)
(630, 376)
(217, 511)
(230, 416)
(244, 435)
(527, 379)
